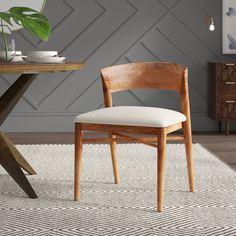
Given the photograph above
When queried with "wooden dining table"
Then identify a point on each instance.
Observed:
(10, 158)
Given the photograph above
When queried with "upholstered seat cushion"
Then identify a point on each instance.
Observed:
(132, 116)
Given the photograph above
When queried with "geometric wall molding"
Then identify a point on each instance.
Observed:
(106, 32)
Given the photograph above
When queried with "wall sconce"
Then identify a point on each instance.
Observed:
(210, 21)
(212, 26)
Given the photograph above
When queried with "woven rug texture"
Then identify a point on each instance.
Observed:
(125, 209)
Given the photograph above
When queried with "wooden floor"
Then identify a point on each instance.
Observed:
(223, 146)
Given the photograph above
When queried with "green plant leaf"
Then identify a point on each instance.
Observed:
(33, 21)
(5, 16)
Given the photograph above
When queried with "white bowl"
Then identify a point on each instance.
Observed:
(18, 59)
(18, 53)
(41, 54)
(44, 59)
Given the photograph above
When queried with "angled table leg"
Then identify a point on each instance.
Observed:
(9, 163)
(19, 158)
(10, 158)
(13, 94)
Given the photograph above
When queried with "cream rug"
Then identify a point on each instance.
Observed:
(124, 209)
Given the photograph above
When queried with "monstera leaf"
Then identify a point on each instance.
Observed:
(33, 21)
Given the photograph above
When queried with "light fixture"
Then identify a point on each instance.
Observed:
(209, 20)
(212, 26)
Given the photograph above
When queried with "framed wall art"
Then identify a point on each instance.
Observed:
(229, 26)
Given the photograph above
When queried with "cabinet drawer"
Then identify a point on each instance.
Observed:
(226, 88)
(226, 108)
(226, 73)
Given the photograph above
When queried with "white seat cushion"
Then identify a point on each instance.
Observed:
(132, 116)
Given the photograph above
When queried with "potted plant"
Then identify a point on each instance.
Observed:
(33, 21)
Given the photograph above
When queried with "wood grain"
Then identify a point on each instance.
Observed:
(19, 158)
(185, 108)
(156, 75)
(115, 166)
(78, 160)
(142, 75)
(222, 92)
(13, 94)
(35, 68)
(9, 163)
(161, 157)
(124, 138)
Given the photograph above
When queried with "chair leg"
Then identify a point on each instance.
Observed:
(161, 169)
(114, 160)
(188, 150)
(78, 160)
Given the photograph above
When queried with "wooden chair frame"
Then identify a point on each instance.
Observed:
(159, 75)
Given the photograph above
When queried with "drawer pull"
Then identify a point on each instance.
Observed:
(230, 64)
(230, 102)
(229, 82)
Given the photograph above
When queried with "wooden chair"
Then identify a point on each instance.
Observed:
(121, 121)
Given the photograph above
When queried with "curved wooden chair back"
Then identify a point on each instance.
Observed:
(149, 75)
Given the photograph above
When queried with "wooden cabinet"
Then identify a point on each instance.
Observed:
(222, 92)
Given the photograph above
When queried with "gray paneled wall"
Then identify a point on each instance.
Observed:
(106, 32)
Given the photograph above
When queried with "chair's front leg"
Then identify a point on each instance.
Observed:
(78, 159)
(161, 168)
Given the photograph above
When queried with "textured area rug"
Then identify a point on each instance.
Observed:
(125, 209)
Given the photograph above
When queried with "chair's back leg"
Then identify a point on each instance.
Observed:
(188, 150)
(114, 159)
(78, 160)
(161, 168)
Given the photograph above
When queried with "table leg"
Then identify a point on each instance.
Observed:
(9, 163)
(14, 93)
(19, 158)
(10, 158)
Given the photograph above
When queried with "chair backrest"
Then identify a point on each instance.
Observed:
(143, 75)
(159, 75)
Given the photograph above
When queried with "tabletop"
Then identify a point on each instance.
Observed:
(34, 68)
